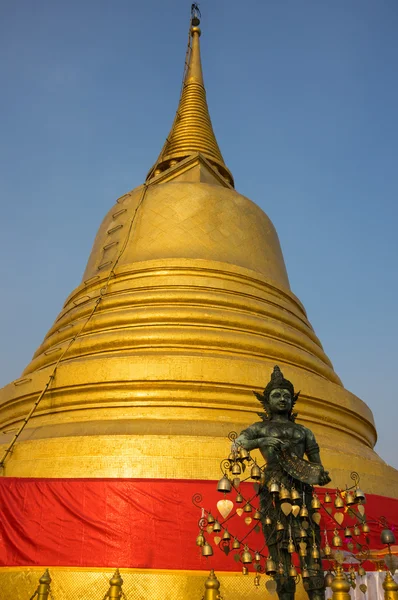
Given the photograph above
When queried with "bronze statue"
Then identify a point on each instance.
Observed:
(287, 499)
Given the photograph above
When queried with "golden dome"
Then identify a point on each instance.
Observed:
(183, 311)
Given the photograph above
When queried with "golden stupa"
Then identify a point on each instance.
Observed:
(183, 310)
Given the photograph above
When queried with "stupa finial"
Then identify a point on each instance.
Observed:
(192, 130)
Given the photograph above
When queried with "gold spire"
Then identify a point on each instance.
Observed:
(192, 130)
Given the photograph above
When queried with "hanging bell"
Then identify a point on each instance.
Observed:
(210, 519)
(365, 528)
(231, 457)
(291, 547)
(200, 540)
(305, 573)
(347, 532)
(295, 494)
(257, 581)
(207, 550)
(357, 531)
(328, 498)
(236, 544)
(257, 557)
(315, 552)
(279, 526)
(268, 521)
(255, 472)
(248, 507)
(387, 537)
(274, 488)
(292, 571)
(304, 511)
(224, 485)
(284, 494)
(303, 550)
(257, 515)
(339, 501)
(236, 470)
(281, 570)
(359, 496)
(337, 540)
(243, 454)
(327, 550)
(315, 503)
(245, 570)
(216, 527)
(246, 557)
(226, 535)
(302, 533)
(270, 567)
(329, 579)
(239, 499)
(349, 499)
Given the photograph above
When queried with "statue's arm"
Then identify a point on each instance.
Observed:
(313, 455)
(250, 438)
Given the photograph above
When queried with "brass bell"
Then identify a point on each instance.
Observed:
(349, 499)
(387, 537)
(268, 521)
(207, 550)
(359, 496)
(337, 540)
(303, 551)
(347, 533)
(339, 501)
(239, 499)
(257, 581)
(255, 472)
(315, 503)
(315, 552)
(236, 544)
(257, 515)
(231, 457)
(365, 528)
(328, 498)
(305, 573)
(243, 453)
(216, 527)
(245, 570)
(295, 494)
(257, 557)
(304, 511)
(279, 526)
(210, 519)
(329, 579)
(246, 557)
(236, 470)
(327, 550)
(226, 535)
(281, 569)
(284, 494)
(274, 488)
(291, 547)
(292, 571)
(270, 567)
(224, 485)
(200, 540)
(248, 507)
(302, 533)
(357, 531)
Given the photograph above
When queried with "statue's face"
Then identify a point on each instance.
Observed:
(280, 401)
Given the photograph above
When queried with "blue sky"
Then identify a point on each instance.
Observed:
(303, 98)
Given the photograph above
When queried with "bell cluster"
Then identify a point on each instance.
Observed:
(301, 511)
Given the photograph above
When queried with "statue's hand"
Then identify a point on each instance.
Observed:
(324, 478)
